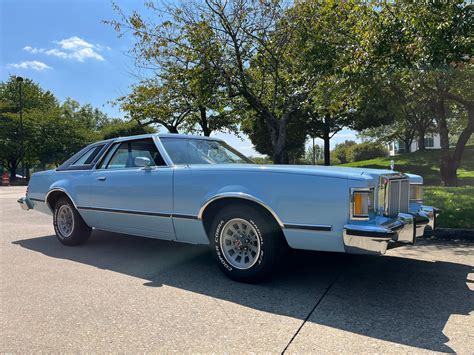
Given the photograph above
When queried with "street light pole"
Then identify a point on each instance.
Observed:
(19, 79)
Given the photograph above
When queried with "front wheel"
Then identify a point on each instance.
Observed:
(246, 243)
(68, 224)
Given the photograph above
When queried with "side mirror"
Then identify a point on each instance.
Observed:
(143, 161)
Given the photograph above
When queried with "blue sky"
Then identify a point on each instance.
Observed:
(65, 47)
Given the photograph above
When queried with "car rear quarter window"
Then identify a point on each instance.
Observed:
(88, 157)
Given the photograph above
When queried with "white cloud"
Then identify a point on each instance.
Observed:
(34, 64)
(56, 53)
(72, 48)
(74, 43)
(33, 50)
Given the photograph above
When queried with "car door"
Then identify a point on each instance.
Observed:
(131, 199)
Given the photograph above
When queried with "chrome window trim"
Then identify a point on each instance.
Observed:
(162, 150)
(113, 146)
(232, 149)
(351, 202)
(117, 144)
(92, 147)
(243, 196)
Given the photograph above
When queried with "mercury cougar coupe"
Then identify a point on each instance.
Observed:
(200, 190)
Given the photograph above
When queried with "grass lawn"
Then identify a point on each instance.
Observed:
(457, 203)
(425, 164)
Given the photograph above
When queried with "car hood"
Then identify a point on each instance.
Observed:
(327, 171)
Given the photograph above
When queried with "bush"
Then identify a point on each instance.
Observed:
(366, 151)
(342, 150)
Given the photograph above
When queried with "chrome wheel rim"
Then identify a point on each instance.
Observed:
(240, 243)
(65, 221)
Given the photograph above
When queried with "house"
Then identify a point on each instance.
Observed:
(432, 141)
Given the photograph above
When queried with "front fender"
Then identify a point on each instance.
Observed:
(240, 195)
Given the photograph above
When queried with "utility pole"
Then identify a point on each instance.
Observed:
(19, 80)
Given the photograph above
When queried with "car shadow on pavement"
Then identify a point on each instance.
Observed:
(401, 300)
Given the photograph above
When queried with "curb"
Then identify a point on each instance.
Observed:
(452, 234)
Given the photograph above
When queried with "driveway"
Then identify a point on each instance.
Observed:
(124, 293)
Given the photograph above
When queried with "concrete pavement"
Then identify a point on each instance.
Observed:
(124, 293)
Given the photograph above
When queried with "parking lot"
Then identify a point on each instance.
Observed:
(124, 293)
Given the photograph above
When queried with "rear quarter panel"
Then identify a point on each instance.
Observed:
(76, 183)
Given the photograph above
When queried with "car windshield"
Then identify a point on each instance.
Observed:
(189, 151)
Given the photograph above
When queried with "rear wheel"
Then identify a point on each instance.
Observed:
(68, 224)
(246, 243)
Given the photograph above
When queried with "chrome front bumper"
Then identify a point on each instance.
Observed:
(377, 238)
(25, 204)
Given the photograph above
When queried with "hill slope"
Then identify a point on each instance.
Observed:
(425, 164)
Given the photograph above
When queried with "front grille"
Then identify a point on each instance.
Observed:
(398, 197)
(393, 194)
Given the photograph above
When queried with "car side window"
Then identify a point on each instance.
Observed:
(122, 155)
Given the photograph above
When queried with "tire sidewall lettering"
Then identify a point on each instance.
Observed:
(219, 252)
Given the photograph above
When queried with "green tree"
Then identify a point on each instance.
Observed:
(342, 151)
(314, 154)
(340, 91)
(433, 42)
(185, 90)
(366, 151)
(151, 103)
(120, 128)
(36, 102)
(249, 42)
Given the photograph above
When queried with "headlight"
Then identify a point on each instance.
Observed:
(416, 192)
(362, 202)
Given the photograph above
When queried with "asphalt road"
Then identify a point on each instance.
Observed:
(127, 294)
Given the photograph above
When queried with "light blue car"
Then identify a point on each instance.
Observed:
(199, 190)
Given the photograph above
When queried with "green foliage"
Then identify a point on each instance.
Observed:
(118, 128)
(255, 128)
(366, 150)
(185, 91)
(36, 103)
(342, 151)
(313, 155)
(425, 164)
(261, 160)
(51, 132)
(151, 103)
(456, 203)
(427, 48)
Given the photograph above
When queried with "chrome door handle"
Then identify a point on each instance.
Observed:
(101, 178)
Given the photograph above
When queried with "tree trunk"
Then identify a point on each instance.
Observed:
(327, 140)
(280, 153)
(448, 166)
(407, 144)
(204, 122)
(12, 169)
(172, 129)
(421, 140)
(277, 130)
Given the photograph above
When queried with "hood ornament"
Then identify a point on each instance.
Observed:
(392, 165)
